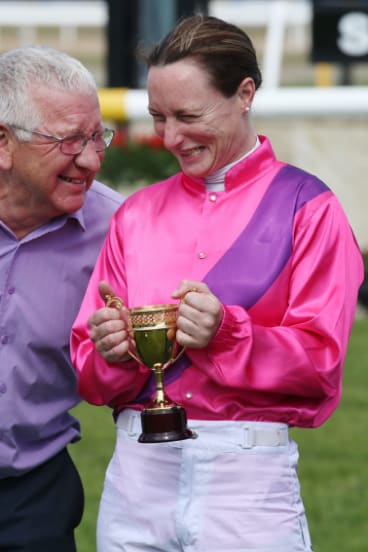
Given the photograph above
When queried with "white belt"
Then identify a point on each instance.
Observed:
(245, 434)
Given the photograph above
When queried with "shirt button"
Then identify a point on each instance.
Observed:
(213, 197)
(11, 290)
(4, 339)
(188, 395)
(2, 387)
(202, 255)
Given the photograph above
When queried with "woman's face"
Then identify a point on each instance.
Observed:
(201, 127)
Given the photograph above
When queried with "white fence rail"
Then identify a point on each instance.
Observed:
(252, 13)
(67, 17)
(122, 104)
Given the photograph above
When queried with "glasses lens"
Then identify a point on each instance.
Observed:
(72, 145)
(107, 135)
(99, 140)
(75, 144)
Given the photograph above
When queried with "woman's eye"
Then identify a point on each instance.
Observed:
(187, 118)
(157, 118)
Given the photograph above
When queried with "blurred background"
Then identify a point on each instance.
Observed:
(313, 105)
(314, 99)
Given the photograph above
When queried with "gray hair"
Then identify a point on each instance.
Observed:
(22, 68)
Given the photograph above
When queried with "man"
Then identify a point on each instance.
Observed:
(53, 220)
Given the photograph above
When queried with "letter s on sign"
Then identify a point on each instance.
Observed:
(353, 29)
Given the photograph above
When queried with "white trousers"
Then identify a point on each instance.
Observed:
(234, 488)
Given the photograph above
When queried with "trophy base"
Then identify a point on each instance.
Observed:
(164, 424)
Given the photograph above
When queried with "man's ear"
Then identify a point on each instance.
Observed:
(6, 148)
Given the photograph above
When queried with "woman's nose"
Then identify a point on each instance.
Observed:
(172, 134)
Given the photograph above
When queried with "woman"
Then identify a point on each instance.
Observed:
(266, 269)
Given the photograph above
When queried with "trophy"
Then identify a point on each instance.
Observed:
(154, 331)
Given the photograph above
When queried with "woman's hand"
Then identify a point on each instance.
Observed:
(109, 329)
(200, 314)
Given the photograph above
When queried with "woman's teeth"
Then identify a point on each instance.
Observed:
(193, 151)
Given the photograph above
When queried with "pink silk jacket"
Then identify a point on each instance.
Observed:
(276, 248)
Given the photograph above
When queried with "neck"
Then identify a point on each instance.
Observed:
(216, 181)
(18, 215)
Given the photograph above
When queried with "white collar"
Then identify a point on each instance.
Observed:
(216, 182)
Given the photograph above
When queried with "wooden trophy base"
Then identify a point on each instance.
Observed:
(165, 424)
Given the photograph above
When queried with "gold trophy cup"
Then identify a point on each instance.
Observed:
(154, 331)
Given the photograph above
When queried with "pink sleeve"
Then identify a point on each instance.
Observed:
(98, 382)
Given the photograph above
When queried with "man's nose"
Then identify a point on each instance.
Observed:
(89, 158)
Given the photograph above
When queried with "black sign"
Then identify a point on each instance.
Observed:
(340, 31)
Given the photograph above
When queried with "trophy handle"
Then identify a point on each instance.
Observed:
(115, 302)
(177, 356)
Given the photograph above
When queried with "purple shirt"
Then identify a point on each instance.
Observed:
(42, 281)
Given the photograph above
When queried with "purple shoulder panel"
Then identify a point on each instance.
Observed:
(253, 262)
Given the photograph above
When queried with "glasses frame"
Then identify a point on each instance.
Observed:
(84, 139)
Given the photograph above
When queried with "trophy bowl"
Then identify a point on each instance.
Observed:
(154, 331)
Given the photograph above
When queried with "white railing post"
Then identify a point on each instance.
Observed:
(273, 53)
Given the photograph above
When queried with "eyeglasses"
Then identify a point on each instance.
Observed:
(74, 145)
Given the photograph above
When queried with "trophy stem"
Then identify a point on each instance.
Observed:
(163, 420)
(160, 400)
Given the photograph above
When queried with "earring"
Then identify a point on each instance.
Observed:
(247, 108)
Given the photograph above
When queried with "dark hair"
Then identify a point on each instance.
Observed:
(225, 51)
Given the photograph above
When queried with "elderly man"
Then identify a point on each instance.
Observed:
(53, 220)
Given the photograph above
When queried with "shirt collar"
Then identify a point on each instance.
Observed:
(244, 171)
(216, 181)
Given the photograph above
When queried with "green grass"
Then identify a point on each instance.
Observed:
(333, 465)
(333, 462)
(91, 455)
